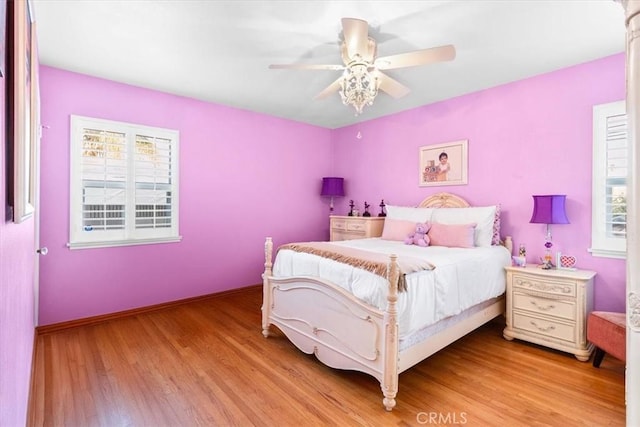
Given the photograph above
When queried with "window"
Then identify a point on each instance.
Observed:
(124, 184)
(610, 166)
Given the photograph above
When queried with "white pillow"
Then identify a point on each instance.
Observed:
(483, 217)
(407, 213)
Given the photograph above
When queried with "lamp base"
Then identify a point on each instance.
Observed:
(547, 259)
(546, 266)
(546, 263)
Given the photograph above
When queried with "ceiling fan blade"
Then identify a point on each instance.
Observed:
(416, 57)
(356, 36)
(329, 90)
(307, 67)
(391, 86)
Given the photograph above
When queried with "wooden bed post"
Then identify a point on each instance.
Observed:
(508, 243)
(389, 383)
(266, 291)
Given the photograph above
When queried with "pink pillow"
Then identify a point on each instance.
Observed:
(453, 236)
(397, 229)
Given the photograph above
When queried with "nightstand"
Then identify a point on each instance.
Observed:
(355, 227)
(550, 308)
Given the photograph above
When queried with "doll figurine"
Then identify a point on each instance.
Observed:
(366, 209)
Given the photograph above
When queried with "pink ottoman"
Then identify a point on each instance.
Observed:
(607, 331)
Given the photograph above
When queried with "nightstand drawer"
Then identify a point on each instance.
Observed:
(342, 235)
(546, 285)
(356, 226)
(551, 307)
(566, 332)
(339, 224)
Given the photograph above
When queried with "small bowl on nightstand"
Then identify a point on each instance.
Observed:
(519, 261)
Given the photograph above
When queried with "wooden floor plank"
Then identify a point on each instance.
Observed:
(206, 363)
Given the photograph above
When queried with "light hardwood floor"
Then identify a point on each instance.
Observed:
(207, 363)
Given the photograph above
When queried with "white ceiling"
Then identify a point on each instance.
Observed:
(219, 51)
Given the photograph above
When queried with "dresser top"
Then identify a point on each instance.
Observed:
(554, 272)
(356, 217)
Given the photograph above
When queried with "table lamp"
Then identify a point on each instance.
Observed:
(549, 209)
(332, 187)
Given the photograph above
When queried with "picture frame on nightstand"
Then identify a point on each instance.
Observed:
(565, 262)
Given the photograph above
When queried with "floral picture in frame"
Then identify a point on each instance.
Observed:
(444, 164)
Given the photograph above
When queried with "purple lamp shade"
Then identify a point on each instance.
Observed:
(549, 210)
(332, 187)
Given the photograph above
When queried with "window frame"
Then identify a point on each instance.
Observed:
(129, 235)
(601, 244)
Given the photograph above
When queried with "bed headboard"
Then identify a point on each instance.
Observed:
(444, 200)
(448, 200)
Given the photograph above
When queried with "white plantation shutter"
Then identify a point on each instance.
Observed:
(610, 170)
(616, 176)
(104, 175)
(153, 182)
(124, 184)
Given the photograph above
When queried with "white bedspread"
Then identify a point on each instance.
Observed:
(463, 277)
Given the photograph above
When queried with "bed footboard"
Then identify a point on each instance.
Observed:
(341, 331)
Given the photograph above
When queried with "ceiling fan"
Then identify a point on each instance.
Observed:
(362, 70)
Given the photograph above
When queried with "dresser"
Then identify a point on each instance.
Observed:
(550, 308)
(355, 227)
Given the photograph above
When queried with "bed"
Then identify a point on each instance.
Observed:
(383, 324)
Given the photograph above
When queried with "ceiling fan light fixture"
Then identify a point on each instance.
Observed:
(359, 87)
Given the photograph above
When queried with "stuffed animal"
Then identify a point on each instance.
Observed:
(419, 237)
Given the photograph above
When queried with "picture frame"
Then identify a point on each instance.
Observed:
(3, 37)
(565, 262)
(444, 164)
(23, 127)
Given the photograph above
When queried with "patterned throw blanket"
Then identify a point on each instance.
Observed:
(373, 262)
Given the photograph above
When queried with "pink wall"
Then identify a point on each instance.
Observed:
(246, 175)
(529, 137)
(17, 252)
(243, 176)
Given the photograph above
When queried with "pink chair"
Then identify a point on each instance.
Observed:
(607, 331)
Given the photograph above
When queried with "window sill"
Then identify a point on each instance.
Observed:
(116, 243)
(608, 253)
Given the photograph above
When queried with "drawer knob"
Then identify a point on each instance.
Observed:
(545, 308)
(543, 329)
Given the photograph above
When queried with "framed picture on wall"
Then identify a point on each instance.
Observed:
(3, 36)
(444, 164)
(22, 123)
